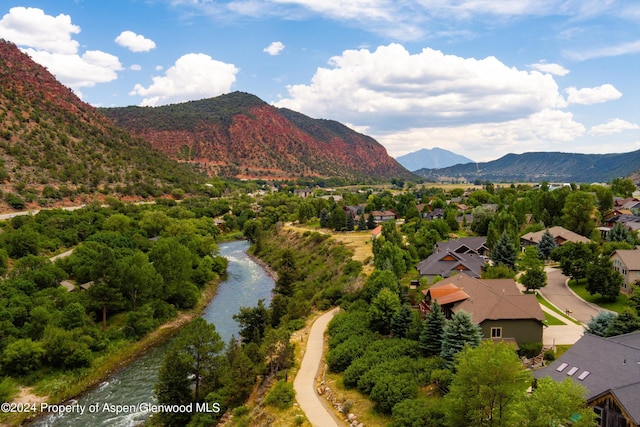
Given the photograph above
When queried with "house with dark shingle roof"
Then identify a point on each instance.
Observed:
(497, 305)
(447, 263)
(465, 245)
(609, 368)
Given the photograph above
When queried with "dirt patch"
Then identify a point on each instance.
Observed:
(27, 395)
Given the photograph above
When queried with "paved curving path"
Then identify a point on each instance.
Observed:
(558, 293)
(305, 382)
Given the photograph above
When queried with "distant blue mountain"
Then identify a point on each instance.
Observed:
(433, 158)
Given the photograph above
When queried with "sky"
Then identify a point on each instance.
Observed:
(482, 78)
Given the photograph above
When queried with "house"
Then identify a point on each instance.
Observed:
(376, 232)
(446, 263)
(437, 213)
(497, 305)
(630, 222)
(627, 263)
(303, 192)
(609, 368)
(384, 216)
(560, 234)
(465, 245)
(619, 202)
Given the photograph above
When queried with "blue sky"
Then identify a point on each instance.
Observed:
(482, 78)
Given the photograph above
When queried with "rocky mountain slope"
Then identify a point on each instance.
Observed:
(431, 158)
(543, 166)
(50, 139)
(238, 135)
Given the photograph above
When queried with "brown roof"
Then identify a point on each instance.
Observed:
(557, 232)
(630, 258)
(497, 299)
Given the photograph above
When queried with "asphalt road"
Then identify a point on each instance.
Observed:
(558, 293)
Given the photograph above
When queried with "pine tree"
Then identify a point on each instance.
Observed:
(362, 222)
(350, 222)
(457, 333)
(174, 386)
(371, 222)
(431, 331)
(504, 252)
(546, 245)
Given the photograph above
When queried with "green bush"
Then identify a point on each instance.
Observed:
(530, 349)
(281, 396)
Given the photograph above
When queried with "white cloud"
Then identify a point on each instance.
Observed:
(48, 40)
(274, 48)
(31, 27)
(78, 71)
(394, 88)
(193, 76)
(605, 51)
(547, 130)
(135, 42)
(611, 127)
(159, 68)
(135, 67)
(595, 95)
(545, 67)
(477, 107)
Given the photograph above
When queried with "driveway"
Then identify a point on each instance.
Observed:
(305, 383)
(558, 293)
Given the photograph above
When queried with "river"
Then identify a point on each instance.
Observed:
(246, 283)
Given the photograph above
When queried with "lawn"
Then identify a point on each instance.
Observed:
(550, 306)
(618, 305)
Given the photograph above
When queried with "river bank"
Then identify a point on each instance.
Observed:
(113, 362)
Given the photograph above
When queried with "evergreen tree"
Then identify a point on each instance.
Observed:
(546, 244)
(371, 221)
(401, 322)
(362, 222)
(174, 386)
(432, 330)
(324, 218)
(619, 233)
(600, 323)
(457, 333)
(350, 222)
(504, 252)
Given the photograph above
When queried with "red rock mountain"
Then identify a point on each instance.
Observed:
(239, 135)
(53, 145)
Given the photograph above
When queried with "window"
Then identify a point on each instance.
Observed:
(496, 332)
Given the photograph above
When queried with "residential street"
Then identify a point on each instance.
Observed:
(305, 383)
(558, 293)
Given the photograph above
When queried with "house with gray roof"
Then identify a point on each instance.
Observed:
(447, 263)
(465, 245)
(609, 368)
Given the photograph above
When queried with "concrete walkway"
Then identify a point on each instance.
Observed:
(557, 292)
(560, 334)
(305, 383)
